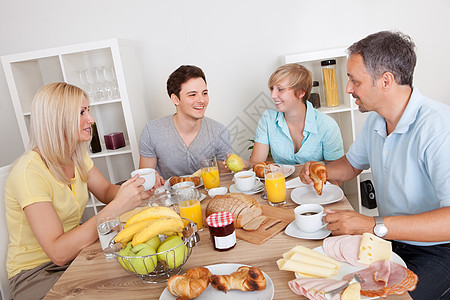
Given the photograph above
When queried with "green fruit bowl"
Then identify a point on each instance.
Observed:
(158, 267)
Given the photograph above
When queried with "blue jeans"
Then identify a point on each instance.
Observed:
(432, 265)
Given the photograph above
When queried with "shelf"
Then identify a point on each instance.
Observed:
(107, 152)
(27, 72)
(335, 109)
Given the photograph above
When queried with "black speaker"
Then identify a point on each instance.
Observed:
(368, 194)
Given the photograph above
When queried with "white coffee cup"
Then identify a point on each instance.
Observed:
(148, 174)
(308, 217)
(245, 180)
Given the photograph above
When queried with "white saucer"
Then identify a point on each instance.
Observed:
(259, 187)
(294, 231)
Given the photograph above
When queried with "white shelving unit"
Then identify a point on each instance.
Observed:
(347, 115)
(27, 72)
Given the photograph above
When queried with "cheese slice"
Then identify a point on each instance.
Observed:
(304, 258)
(295, 266)
(197, 173)
(303, 275)
(373, 248)
(352, 292)
(306, 251)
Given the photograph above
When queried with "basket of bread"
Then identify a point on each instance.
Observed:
(155, 243)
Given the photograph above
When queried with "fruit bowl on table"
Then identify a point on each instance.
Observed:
(158, 267)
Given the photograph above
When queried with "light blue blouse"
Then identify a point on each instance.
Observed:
(322, 138)
(411, 166)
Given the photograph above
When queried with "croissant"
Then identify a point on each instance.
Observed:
(244, 279)
(259, 168)
(190, 285)
(176, 179)
(318, 174)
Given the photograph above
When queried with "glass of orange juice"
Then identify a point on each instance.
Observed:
(189, 206)
(275, 184)
(210, 173)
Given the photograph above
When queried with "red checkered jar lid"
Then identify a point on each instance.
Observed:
(220, 219)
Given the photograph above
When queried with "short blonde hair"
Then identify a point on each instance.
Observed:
(55, 129)
(300, 79)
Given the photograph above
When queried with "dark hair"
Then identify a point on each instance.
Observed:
(180, 76)
(387, 51)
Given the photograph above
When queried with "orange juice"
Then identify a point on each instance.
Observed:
(210, 177)
(191, 209)
(276, 187)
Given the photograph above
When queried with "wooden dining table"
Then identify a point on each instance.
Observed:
(91, 276)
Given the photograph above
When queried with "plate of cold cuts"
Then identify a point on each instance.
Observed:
(381, 278)
(307, 194)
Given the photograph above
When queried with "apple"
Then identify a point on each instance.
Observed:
(235, 163)
(174, 257)
(154, 242)
(125, 252)
(144, 265)
(139, 247)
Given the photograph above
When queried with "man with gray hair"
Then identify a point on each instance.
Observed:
(405, 141)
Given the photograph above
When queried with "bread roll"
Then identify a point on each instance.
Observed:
(176, 179)
(318, 174)
(259, 168)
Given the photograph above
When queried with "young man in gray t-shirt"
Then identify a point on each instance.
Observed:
(175, 144)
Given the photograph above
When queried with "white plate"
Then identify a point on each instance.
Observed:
(212, 293)
(168, 187)
(347, 268)
(294, 231)
(259, 187)
(288, 171)
(307, 194)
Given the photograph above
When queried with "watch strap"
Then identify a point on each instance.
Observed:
(379, 220)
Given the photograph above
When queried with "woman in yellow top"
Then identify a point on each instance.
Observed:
(47, 191)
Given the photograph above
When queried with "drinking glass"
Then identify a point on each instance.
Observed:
(275, 184)
(86, 86)
(189, 206)
(110, 77)
(210, 173)
(108, 225)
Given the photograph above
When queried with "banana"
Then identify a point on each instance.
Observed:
(126, 234)
(161, 225)
(152, 213)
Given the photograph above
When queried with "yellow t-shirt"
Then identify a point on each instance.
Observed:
(30, 181)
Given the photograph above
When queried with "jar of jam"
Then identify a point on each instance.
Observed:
(221, 229)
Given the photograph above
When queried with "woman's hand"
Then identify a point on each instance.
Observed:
(131, 194)
(304, 173)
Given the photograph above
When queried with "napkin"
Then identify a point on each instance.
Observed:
(293, 183)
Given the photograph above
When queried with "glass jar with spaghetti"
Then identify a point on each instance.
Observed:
(330, 82)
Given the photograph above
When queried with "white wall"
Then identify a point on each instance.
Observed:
(237, 43)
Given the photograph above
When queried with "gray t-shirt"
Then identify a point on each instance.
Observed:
(160, 139)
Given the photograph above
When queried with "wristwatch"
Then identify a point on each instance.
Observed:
(380, 229)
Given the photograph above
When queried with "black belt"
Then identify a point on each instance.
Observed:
(444, 245)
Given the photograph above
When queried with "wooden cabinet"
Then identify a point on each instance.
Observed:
(122, 111)
(346, 114)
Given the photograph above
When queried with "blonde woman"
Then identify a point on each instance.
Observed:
(47, 192)
(295, 132)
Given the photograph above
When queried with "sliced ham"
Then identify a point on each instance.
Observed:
(344, 248)
(385, 277)
(313, 288)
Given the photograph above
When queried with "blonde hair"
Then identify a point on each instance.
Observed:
(55, 129)
(300, 79)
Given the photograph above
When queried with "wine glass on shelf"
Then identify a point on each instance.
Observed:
(100, 84)
(111, 79)
(86, 86)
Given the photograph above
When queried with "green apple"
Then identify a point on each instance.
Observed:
(174, 257)
(145, 265)
(235, 163)
(125, 252)
(154, 242)
(139, 247)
